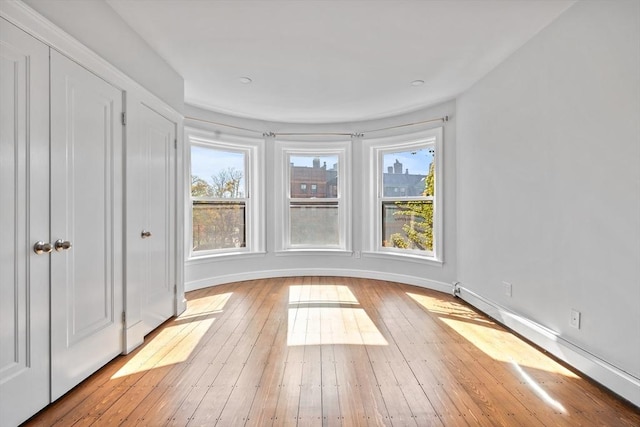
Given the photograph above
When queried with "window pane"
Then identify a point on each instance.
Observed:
(408, 173)
(217, 173)
(314, 224)
(318, 175)
(408, 225)
(218, 225)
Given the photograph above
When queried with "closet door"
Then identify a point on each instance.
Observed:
(86, 223)
(151, 232)
(24, 220)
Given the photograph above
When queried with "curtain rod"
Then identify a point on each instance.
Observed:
(439, 119)
(220, 124)
(310, 133)
(353, 134)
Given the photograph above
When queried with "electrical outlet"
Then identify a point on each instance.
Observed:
(508, 289)
(575, 319)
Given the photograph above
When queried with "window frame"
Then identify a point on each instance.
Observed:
(377, 149)
(286, 149)
(254, 228)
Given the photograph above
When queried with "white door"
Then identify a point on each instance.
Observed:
(24, 220)
(151, 233)
(86, 221)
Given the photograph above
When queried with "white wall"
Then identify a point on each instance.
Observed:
(201, 273)
(102, 30)
(549, 183)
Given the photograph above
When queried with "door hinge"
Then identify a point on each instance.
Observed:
(124, 119)
(175, 143)
(124, 317)
(175, 289)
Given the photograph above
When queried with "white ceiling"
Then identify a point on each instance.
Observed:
(332, 61)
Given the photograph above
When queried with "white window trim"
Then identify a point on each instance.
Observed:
(372, 195)
(254, 199)
(284, 149)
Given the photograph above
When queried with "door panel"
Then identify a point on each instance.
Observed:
(86, 168)
(154, 152)
(24, 219)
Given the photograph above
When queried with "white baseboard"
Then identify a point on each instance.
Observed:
(363, 274)
(618, 381)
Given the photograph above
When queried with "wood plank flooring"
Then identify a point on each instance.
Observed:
(312, 351)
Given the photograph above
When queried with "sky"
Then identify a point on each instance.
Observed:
(308, 160)
(418, 163)
(206, 162)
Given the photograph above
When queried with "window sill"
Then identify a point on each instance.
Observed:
(404, 257)
(202, 259)
(314, 252)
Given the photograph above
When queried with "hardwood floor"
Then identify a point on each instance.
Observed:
(334, 351)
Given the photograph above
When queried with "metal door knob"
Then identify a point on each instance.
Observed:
(145, 234)
(42, 248)
(62, 245)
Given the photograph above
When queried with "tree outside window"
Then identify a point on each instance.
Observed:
(407, 202)
(219, 201)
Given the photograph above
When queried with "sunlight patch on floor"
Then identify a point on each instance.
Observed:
(325, 315)
(209, 303)
(540, 392)
(338, 294)
(162, 350)
(489, 337)
(152, 357)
